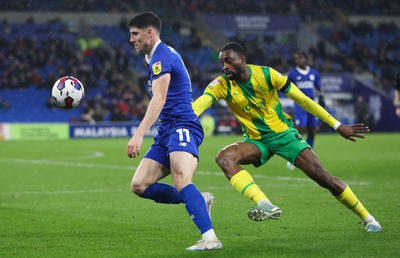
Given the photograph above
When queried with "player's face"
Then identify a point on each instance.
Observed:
(232, 63)
(140, 38)
(300, 60)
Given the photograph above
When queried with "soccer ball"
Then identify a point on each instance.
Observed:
(68, 92)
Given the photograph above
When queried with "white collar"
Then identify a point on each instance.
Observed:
(149, 56)
(303, 71)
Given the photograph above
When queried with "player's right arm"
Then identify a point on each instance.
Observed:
(156, 104)
(215, 91)
(202, 104)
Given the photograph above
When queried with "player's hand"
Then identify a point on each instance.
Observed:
(351, 131)
(133, 147)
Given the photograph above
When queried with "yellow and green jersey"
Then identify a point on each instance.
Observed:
(256, 104)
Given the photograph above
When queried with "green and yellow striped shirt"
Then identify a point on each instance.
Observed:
(256, 104)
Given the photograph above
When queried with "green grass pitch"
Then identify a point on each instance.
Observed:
(72, 199)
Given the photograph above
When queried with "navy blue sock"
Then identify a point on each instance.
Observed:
(196, 207)
(310, 141)
(162, 193)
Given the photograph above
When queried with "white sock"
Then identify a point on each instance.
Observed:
(265, 201)
(209, 235)
(368, 218)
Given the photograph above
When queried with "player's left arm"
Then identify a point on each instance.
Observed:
(283, 84)
(347, 131)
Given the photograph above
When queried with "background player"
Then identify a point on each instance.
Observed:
(397, 94)
(308, 81)
(251, 93)
(175, 147)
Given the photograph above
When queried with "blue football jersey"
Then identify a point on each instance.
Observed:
(179, 97)
(306, 80)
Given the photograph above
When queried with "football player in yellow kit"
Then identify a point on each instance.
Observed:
(251, 93)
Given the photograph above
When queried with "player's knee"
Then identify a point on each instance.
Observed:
(137, 188)
(225, 158)
(180, 181)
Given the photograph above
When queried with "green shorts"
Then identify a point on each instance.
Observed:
(287, 144)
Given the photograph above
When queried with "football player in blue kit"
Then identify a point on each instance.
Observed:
(308, 81)
(179, 135)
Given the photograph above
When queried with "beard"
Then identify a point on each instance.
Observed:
(233, 75)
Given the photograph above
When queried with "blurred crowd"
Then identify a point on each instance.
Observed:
(307, 9)
(31, 61)
(109, 71)
(362, 47)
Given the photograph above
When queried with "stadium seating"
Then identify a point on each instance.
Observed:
(30, 105)
(29, 100)
(374, 48)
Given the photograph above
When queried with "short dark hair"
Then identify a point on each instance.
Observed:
(302, 53)
(234, 46)
(144, 20)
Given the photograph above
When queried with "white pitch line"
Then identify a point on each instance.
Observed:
(66, 163)
(92, 155)
(81, 191)
(63, 192)
(131, 168)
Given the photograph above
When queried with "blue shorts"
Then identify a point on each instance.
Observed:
(176, 135)
(303, 118)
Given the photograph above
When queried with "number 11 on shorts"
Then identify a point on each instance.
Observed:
(183, 132)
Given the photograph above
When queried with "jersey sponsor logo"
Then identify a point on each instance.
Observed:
(157, 68)
(258, 105)
(261, 89)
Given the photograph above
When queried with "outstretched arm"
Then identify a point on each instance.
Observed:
(351, 131)
(202, 104)
(347, 131)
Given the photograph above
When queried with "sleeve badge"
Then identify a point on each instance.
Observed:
(156, 67)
